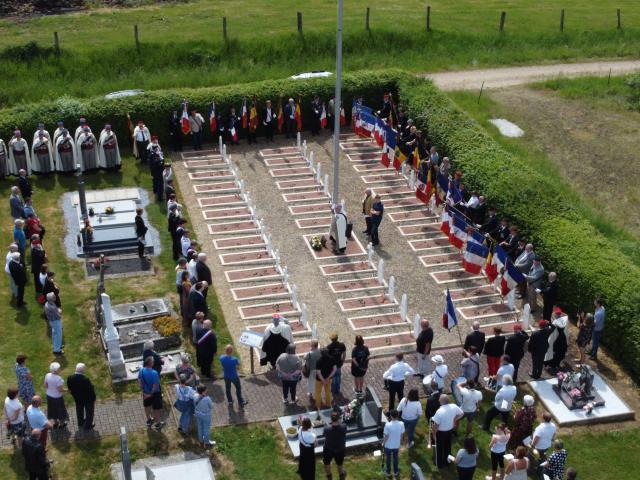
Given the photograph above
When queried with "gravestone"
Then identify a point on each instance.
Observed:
(112, 341)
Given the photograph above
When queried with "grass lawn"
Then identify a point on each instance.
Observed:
(601, 92)
(26, 330)
(182, 43)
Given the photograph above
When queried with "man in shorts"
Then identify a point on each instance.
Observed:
(471, 398)
(149, 381)
(335, 442)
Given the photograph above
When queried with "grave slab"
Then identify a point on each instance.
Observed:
(450, 276)
(266, 310)
(406, 203)
(248, 241)
(361, 148)
(420, 229)
(246, 258)
(364, 157)
(354, 248)
(211, 174)
(485, 311)
(386, 178)
(301, 184)
(366, 303)
(369, 167)
(355, 285)
(226, 213)
(441, 259)
(392, 190)
(429, 243)
(411, 215)
(208, 163)
(323, 207)
(471, 293)
(282, 151)
(220, 200)
(291, 172)
(316, 222)
(269, 290)
(297, 328)
(282, 161)
(199, 153)
(304, 196)
(366, 322)
(232, 227)
(356, 142)
(346, 267)
(252, 274)
(394, 340)
(215, 187)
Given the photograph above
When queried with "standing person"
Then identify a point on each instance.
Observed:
(395, 376)
(275, 340)
(443, 425)
(25, 380)
(230, 364)
(26, 190)
(141, 232)
(173, 218)
(203, 410)
(196, 122)
(14, 416)
(310, 368)
(338, 230)
(84, 395)
(338, 352)
(155, 158)
(517, 468)
(325, 370)
(175, 131)
(206, 348)
(307, 458)
(20, 239)
(54, 385)
(50, 286)
(502, 403)
(141, 139)
(554, 466)
(149, 381)
(498, 447)
(38, 259)
(289, 369)
(185, 368)
(335, 443)
(514, 348)
(108, 150)
(35, 457)
(184, 404)
(197, 300)
(549, 296)
(534, 282)
(316, 112)
(598, 328)
(37, 419)
(523, 422)
(558, 342)
(19, 158)
(471, 398)
(470, 364)
(203, 272)
(268, 121)
(538, 345)
(13, 248)
(19, 277)
(233, 126)
(467, 459)
(54, 316)
(377, 212)
(4, 160)
(87, 148)
(290, 119)
(410, 410)
(423, 348)
(16, 204)
(42, 154)
(494, 349)
(367, 203)
(543, 435)
(359, 364)
(66, 155)
(585, 334)
(196, 325)
(506, 368)
(391, 440)
(440, 372)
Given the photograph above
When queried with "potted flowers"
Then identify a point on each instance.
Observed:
(317, 242)
(352, 411)
(109, 211)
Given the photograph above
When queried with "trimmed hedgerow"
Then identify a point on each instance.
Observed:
(588, 265)
(154, 107)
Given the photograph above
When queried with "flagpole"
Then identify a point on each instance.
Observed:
(336, 106)
(459, 334)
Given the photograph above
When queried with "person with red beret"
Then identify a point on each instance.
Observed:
(538, 345)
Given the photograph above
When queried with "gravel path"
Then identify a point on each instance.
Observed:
(506, 77)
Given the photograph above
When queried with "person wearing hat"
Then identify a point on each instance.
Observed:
(41, 152)
(534, 282)
(108, 151)
(86, 146)
(141, 139)
(275, 340)
(65, 152)
(19, 158)
(58, 131)
(80, 128)
(290, 119)
(538, 345)
(514, 348)
(337, 350)
(440, 372)
(41, 130)
(523, 422)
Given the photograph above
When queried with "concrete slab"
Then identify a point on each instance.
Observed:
(396, 217)
(252, 274)
(366, 303)
(279, 152)
(385, 191)
(387, 178)
(226, 213)
(393, 340)
(364, 157)
(206, 163)
(314, 223)
(309, 196)
(246, 258)
(218, 187)
(346, 267)
(354, 248)
(232, 227)
(220, 200)
(471, 293)
(220, 174)
(429, 244)
(282, 161)
(356, 285)
(199, 153)
(405, 203)
(367, 322)
(302, 184)
(269, 290)
(439, 259)
(266, 310)
(361, 148)
(291, 172)
(486, 311)
(248, 241)
(420, 229)
(450, 276)
(323, 207)
(369, 167)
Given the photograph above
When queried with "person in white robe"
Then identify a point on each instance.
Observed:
(4, 160)
(141, 139)
(275, 340)
(66, 156)
(40, 130)
(80, 129)
(558, 339)
(108, 151)
(58, 132)
(19, 157)
(42, 154)
(338, 231)
(86, 147)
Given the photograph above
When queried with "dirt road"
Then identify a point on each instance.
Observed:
(510, 76)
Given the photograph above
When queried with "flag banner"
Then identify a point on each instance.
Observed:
(323, 117)
(474, 258)
(495, 263)
(457, 230)
(398, 158)
(449, 318)
(453, 194)
(510, 278)
(280, 117)
(474, 236)
(367, 124)
(378, 132)
(443, 182)
(184, 121)
(298, 117)
(253, 118)
(213, 118)
(389, 148)
(244, 116)
(234, 134)
(343, 118)
(444, 221)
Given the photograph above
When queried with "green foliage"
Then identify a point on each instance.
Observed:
(155, 106)
(588, 265)
(633, 82)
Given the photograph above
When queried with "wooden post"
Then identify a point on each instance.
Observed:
(136, 36)
(503, 16)
(224, 28)
(619, 20)
(56, 43)
(299, 22)
(366, 23)
(428, 18)
(562, 20)
(481, 89)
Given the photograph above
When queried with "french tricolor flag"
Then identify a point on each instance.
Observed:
(449, 319)
(389, 148)
(457, 231)
(510, 278)
(184, 121)
(378, 132)
(234, 134)
(497, 260)
(474, 257)
(474, 236)
(444, 221)
(323, 117)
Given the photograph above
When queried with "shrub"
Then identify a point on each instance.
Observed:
(633, 82)
(167, 326)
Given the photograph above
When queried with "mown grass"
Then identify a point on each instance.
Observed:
(182, 44)
(610, 93)
(533, 155)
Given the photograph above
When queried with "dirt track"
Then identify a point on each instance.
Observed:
(510, 76)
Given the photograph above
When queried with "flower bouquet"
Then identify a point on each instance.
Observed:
(109, 211)
(351, 412)
(316, 242)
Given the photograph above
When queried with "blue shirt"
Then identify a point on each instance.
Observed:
(229, 366)
(37, 419)
(378, 207)
(148, 377)
(19, 237)
(598, 319)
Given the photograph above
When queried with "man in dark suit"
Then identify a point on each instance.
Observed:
(549, 296)
(35, 458)
(290, 119)
(316, 110)
(475, 338)
(19, 275)
(197, 300)
(203, 272)
(538, 345)
(206, 348)
(502, 232)
(268, 121)
(84, 395)
(515, 348)
(23, 184)
(510, 244)
(141, 231)
(491, 225)
(175, 131)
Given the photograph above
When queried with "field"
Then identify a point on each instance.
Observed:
(182, 43)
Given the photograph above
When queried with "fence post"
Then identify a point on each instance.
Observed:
(619, 20)
(428, 18)
(366, 23)
(299, 22)
(503, 16)
(562, 20)
(56, 43)
(137, 37)
(224, 28)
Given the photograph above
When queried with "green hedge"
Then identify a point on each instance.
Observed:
(588, 265)
(155, 107)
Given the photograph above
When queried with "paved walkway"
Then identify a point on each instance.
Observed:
(509, 76)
